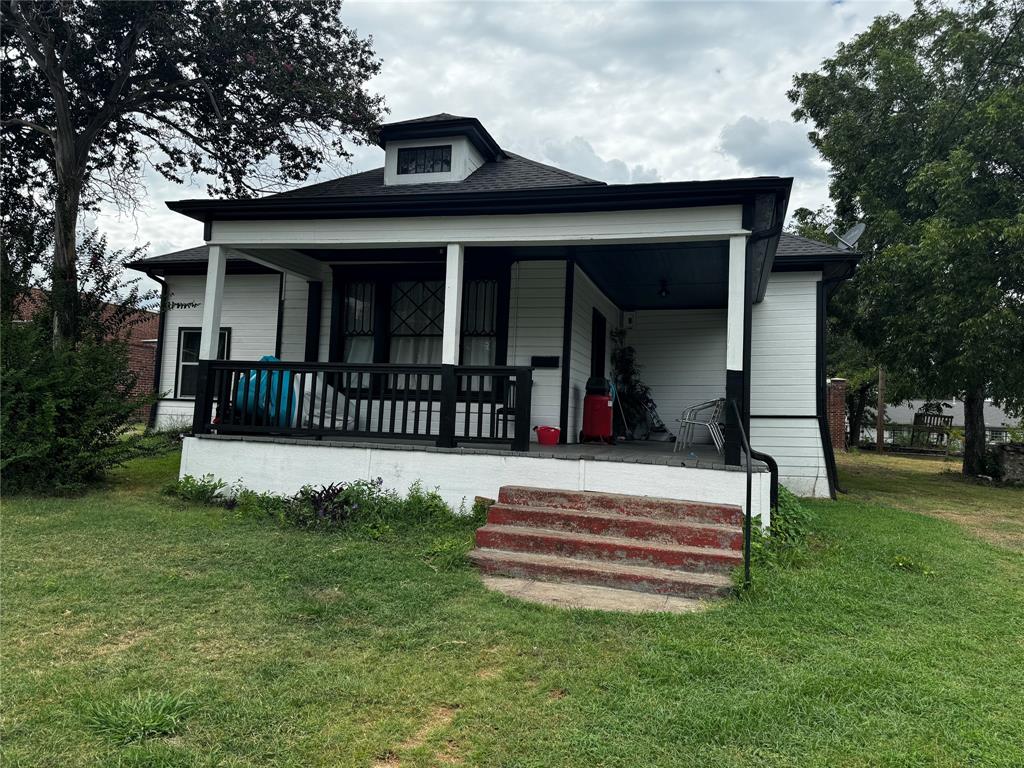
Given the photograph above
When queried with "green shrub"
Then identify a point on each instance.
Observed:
(256, 505)
(67, 415)
(203, 490)
(786, 539)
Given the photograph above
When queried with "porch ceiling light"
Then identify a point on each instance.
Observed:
(663, 289)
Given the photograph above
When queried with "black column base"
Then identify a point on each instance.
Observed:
(734, 385)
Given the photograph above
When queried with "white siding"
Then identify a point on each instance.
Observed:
(293, 319)
(249, 309)
(659, 225)
(536, 309)
(783, 346)
(783, 363)
(683, 357)
(586, 297)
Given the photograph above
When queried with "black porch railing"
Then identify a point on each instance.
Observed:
(446, 404)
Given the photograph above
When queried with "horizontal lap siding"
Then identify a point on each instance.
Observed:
(683, 357)
(783, 381)
(293, 319)
(586, 297)
(536, 306)
(249, 309)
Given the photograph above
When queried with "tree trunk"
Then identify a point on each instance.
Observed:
(857, 403)
(64, 271)
(974, 431)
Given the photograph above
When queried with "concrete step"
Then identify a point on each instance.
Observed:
(639, 578)
(642, 506)
(590, 597)
(601, 523)
(607, 548)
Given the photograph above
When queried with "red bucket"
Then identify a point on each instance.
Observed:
(548, 435)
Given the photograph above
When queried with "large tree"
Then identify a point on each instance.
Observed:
(250, 93)
(920, 119)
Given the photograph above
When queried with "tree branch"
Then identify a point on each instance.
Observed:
(27, 124)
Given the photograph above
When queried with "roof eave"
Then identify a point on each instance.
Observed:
(577, 198)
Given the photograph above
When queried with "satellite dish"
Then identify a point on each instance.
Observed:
(849, 238)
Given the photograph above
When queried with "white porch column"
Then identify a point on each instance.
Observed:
(734, 316)
(212, 303)
(452, 304)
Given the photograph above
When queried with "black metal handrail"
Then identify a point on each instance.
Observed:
(446, 404)
(747, 519)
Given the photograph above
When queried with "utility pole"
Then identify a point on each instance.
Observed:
(880, 414)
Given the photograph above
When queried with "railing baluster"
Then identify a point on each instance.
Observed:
(416, 406)
(430, 405)
(405, 406)
(334, 400)
(492, 431)
(394, 402)
(323, 400)
(381, 385)
(480, 407)
(359, 400)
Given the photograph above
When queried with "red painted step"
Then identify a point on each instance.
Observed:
(642, 506)
(633, 577)
(613, 548)
(685, 532)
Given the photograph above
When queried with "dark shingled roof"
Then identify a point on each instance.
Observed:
(511, 173)
(795, 245)
(440, 117)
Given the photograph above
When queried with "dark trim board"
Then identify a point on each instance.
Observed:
(280, 317)
(563, 403)
(821, 396)
(314, 297)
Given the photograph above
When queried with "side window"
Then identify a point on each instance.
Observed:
(357, 323)
(188, 358)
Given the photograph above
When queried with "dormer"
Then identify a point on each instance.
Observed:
(441, 148)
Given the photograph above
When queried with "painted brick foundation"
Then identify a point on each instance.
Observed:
(639, 543)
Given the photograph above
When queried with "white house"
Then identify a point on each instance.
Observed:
(431, 312)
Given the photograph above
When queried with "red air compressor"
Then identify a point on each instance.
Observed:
(597, 412)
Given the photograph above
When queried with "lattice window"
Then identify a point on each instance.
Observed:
(425, 159)
(417, 321)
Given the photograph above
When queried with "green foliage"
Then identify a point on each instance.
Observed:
(140, 716)
(630, 390)
(69, 413)
(787, 540)
(913, 116)
(202, 490)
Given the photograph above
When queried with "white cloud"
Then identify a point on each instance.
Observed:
(618, 91)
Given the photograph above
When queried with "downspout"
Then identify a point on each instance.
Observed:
(151, 421)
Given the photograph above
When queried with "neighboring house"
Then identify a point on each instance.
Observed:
(997, 421)
(142, 342)
(433, 311)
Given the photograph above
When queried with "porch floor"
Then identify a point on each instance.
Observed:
(636, 452)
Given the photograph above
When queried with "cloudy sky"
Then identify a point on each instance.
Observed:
(624, 92)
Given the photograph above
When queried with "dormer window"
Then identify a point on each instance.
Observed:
(425, 159)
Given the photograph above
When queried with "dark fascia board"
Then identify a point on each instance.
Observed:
(576, 199)
(817, 262)
(469, 127)
(234, 267)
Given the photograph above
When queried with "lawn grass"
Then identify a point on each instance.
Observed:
(936, 486)
(139, 630)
